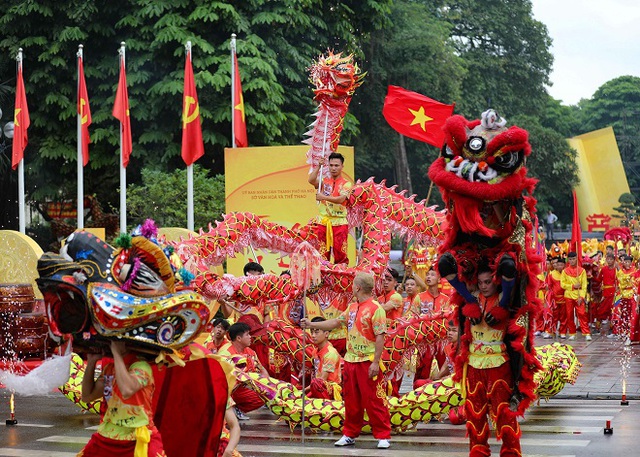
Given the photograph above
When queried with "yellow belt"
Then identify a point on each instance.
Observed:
(143, 438)
(329, 232)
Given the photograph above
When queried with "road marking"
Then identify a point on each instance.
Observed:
(571, 429)
(24, 424)
(537, 416)
(353, 451)
(65, 439)
(13, 452)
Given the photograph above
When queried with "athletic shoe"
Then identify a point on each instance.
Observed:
(605, 322)
(627, 342)
(571, 337)
(612, 336)
(546, 335)
(240, 415)
(587, 337)
(383, 444)
(562, 336)
(537, 333)
(345, 441)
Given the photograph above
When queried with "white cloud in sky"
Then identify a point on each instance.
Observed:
(593, 42)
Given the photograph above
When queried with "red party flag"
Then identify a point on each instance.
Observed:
(416, 116)
(192, 145)
(121, 112)
(84, 112)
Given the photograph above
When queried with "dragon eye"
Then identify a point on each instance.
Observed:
(476, 145)
(447, 153)
(508, 161)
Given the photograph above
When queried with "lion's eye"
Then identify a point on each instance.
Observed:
(476, 145)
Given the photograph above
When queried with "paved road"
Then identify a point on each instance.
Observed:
(571, 425)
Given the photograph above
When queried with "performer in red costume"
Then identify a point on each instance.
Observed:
(332, 228)
(430, 303)
(327, 381)
(240, 336)
(391, 300)
(366, 324)
(558, 302)
(127, 427)
(488, 379)
(574, 283)
(609, 283)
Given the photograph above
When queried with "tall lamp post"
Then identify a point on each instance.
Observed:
(6, 135)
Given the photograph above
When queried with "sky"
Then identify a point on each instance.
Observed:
(594, 41)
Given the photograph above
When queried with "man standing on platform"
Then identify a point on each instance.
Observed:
(364, 385)
(549, 220)
(331, 227)
(574, 283)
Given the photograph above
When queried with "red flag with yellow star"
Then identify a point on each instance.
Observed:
(416, 116)
(192, 145)
(21, 122)
(239, 125)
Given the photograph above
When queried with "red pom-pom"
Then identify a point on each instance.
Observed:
(472, 311)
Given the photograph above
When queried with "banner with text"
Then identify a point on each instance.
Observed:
(271, 182)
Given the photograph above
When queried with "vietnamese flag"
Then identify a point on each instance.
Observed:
(416, 116)
(21, 122)
(84, 112)
(576, 231)
(121, 112)
(239, 124)
(192, 145)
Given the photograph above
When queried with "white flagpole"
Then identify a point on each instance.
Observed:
(190, 216)
(21, 205)
(80, 194)
(123, 170)
(233, 90)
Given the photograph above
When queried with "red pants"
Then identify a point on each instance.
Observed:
(362, 393)
(340, 235)
(581, 312)
(340, 345)
(603, 311)
(488, 393)
(262, 351)
(559, 311)
(246, 399)
(100, 446)
(423, 367)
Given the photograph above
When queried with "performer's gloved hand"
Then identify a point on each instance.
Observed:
(507, 267)
(491, 319)
(447, 265)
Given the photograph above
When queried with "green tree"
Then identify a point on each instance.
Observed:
(617, 103)
(162, 197)
(506, 52)
(553, 163)
(276, 42)
(413, 52)
(627, 211)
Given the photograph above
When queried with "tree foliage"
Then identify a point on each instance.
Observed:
(162, 196)
(276, 42)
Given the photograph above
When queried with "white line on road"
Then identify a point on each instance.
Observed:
(13, 452)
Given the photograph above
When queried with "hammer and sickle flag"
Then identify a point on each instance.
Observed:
(192, 145)
(84, 112)
(415, 115)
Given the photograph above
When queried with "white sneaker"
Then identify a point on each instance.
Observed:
(604, 322)
(627, 342)
(612, 336)
(346, 441)
(562, 336)
(383, 444)
(537, 333)
(572, 337)
(546, 335)
(587, 337)
(240, 415)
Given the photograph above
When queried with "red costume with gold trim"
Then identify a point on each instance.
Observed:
(490, 219)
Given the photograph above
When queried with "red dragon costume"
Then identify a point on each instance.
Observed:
(484, 184)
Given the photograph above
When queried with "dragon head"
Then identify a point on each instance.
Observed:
(483, 159)
(336, 75)
(95, 292)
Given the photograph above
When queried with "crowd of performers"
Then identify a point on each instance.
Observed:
(599, 292)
